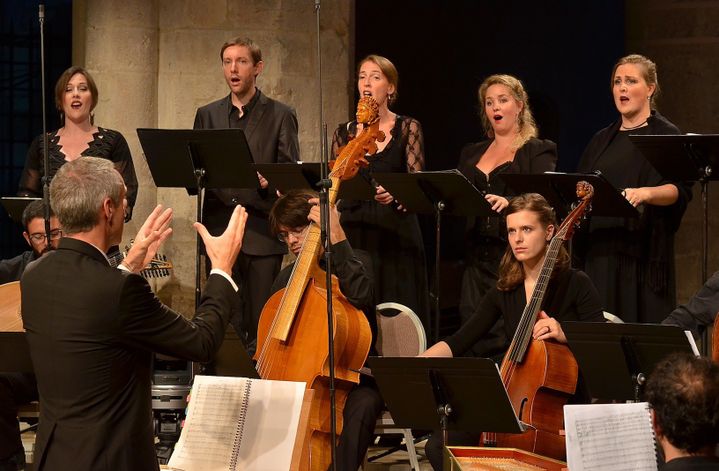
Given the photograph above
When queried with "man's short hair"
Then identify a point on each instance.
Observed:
(254, 49)
(36, 209)
(78, 190)
(291, 210)
(683, 390)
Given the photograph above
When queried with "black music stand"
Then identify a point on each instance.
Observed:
(232, 358)
(616, 359)
(306, 176)
(15, 353)
(560, 190)
(15, 205)
(422, 393)
(198, 160)
(702, 153)
(443, 192)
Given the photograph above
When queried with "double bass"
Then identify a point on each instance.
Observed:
(541, 375)
(292, 335)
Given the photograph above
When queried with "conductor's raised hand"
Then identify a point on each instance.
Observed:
(224, 249)
(153, 232)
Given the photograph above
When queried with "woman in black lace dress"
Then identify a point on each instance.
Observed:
(391, 235)
(75, 99)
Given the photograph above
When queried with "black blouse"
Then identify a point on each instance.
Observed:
(570, 296)
(106, 143)
(535, 156)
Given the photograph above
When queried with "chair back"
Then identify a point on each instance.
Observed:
(399, 331)
(612, 318)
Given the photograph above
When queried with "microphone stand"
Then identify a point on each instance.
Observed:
(45, 154)
(324, 185)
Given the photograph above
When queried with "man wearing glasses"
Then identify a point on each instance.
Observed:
(290, 219)
(33, 221)
(20, 388)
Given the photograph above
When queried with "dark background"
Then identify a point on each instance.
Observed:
(21, 92)
(562, 51)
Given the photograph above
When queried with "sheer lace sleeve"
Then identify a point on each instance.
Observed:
(414, 151)
(30, 178)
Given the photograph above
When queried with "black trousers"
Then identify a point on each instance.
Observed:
(254, 276)
(15, 389)
(364, 405)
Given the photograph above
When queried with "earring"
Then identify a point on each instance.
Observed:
(92, 118)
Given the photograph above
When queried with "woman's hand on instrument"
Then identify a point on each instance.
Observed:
(337, 234)
(498, 202)
(151, 235)
(383, 196)
(224, 249)
(548, 328)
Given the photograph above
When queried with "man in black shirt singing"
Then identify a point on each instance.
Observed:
(271, 131)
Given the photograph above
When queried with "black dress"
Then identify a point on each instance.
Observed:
(486, 238)
(631, 261)
(393, 238)
(106, 143)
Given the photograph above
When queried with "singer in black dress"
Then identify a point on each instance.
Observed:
(512, 147)
(391, 235)
(75, 98)
(631, 261)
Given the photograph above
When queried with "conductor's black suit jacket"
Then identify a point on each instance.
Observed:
(271, 133)
(92, 330)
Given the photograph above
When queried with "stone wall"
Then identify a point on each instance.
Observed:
(682, 38)
(156, 61)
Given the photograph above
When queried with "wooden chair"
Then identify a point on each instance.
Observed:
(399, 334)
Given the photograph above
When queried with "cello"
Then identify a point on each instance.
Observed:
(292, 334)
(541, 375)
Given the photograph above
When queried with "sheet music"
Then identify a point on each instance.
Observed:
(250, 422)
(612, 437)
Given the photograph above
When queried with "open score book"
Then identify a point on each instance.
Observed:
(239, 424)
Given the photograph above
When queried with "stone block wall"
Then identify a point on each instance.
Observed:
(157, 61)
(682, 38)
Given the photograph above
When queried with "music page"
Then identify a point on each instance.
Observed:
(239, 423)
(612, 437)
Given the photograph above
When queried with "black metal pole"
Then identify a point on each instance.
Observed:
(45, 155)
(325, 185)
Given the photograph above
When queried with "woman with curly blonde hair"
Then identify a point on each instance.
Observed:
(511, 146)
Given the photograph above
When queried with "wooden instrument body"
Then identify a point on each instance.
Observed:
(304, 357)
(540, 376)
(10, 313)
(293, 331)
(539, 387)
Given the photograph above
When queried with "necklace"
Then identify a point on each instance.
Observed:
(625, 128)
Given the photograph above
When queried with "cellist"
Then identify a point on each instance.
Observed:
(289, 220)
(570, 295)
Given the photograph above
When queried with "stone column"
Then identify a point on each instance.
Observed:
(682, 38)
(156, 62)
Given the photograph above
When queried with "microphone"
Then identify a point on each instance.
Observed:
(41, 12)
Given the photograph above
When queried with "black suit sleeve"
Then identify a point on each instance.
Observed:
(700, 311)
(288, 146)
(144, 322)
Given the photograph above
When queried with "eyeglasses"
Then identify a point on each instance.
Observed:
(40, 237)
(297, 233)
